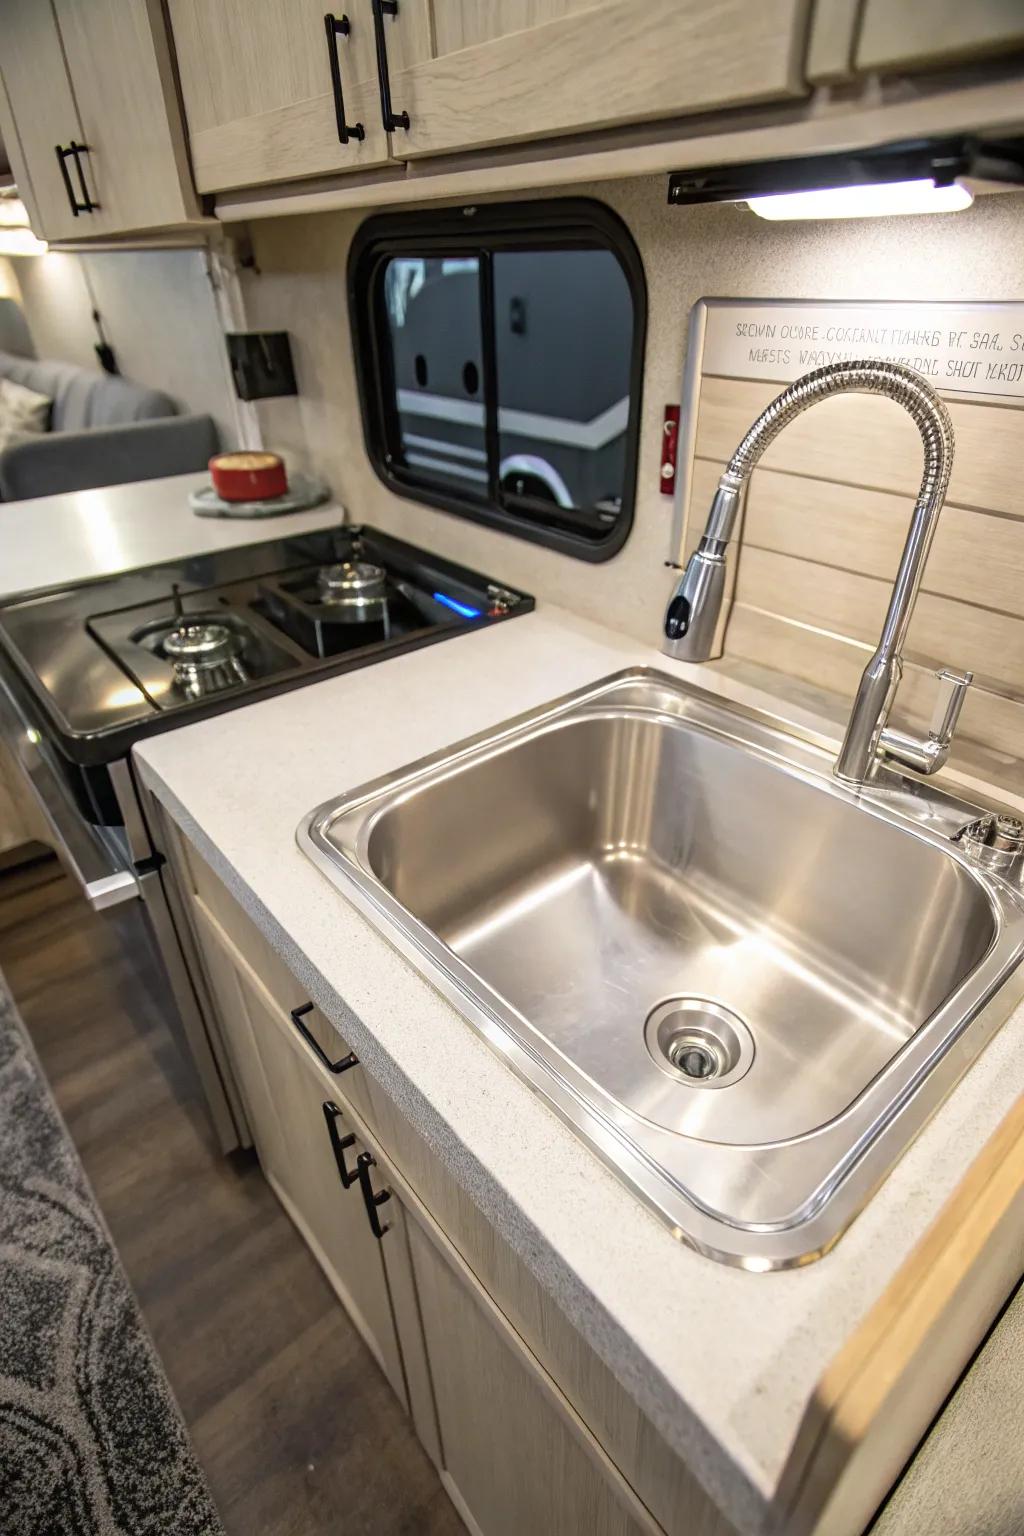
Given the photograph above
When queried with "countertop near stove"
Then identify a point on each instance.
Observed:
(56, 540)
(723, 1361)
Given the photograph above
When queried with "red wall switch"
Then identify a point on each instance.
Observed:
(669, 449)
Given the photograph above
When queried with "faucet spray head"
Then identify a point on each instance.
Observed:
(696, 614)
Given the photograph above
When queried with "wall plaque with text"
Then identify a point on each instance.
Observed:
(975, 349)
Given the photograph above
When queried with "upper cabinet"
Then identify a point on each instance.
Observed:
(89, 114)
(276, 89)
(508, 70)
(92, 91)
(273, 92)
(915, 36)
(37, 113)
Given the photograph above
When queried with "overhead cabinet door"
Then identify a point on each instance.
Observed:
(136, 166)
(42, 113)
(94, 129)
(508, 70)
(273, 92)
(904, 34)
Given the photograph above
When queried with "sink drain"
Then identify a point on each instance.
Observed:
(694, 1060)
(699, 1042)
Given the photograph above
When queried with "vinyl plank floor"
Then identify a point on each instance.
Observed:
(297, 1429)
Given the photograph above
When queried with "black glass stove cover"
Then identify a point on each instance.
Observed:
(109, 662)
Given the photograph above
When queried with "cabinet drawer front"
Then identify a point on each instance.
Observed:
(620, 62)
(331, 1218)
(309, 1032)
(219, 920)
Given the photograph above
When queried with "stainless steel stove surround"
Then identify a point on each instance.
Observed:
(88, 670)
(93, 659)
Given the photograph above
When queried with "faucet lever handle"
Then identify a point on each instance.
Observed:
(953, 688)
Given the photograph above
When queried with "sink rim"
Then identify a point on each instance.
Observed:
(856, 1149)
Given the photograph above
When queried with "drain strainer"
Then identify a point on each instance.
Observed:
(699, 1042)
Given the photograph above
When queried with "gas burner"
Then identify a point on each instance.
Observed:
(205, 656)
(355, 588)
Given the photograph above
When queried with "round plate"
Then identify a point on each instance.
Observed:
(304, 491)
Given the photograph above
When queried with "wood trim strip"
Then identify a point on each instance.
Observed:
(855, 435)
(942, 632)
(882, 1388)
(293, 140)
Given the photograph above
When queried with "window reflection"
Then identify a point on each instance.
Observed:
(504, 368)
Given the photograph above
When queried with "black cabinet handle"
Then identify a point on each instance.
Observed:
(339, 1145)
(364, 1162)
(68, 188)
(84, 204)
(336, 26)
(342, 1064)
(392, 119)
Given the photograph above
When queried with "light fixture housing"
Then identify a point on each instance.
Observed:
(913, 176)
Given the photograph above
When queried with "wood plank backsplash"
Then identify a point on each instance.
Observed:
(824, 521)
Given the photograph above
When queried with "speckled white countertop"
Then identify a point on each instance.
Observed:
(82, 535)
(723, 1361)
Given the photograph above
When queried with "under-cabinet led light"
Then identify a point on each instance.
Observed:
(16, 238)
(881, 199)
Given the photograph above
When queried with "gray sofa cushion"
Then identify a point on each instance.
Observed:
(82, 399)
(14, 332)
(77, 461)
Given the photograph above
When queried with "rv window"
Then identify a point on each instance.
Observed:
(499, 352)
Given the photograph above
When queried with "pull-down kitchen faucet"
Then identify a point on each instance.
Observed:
(695, 618)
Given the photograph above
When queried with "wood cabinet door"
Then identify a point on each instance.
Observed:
(509, 1457)
(37, 113)
(509, 70)
(118, 57)
(904, 34)
(256, 82)
(332, 1219)
(237, 1029)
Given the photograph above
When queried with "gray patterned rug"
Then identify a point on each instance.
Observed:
(91, 1439)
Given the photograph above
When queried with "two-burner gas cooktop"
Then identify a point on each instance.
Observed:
(111, 661)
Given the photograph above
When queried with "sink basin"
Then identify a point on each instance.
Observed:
(745, 984)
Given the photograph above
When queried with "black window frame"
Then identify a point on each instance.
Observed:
(480, 230)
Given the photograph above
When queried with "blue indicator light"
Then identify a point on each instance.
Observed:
(463, 608)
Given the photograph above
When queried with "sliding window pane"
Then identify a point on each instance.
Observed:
(433, 319)
(563, 344)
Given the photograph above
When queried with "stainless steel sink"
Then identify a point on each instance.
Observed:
(746, 984)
